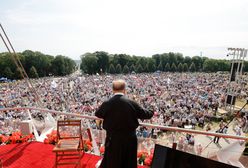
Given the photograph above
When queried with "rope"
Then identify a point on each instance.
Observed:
(24, 75)
(19, 65)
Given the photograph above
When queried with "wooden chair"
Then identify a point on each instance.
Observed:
(69, 147)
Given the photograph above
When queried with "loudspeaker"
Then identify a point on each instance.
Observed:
(159, 157)
(229, 100)
(165, 157)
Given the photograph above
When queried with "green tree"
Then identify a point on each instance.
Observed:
(160, 67)
(167, 67)
(151, 65)
(139, 69)
(187, 60)
(146, 68)
(156, 57)
(111, 69)
(173, 67)
(125, 69)
(172, 58)
(164, 59)
(121, 59)
(185, 67)
(118, 69)
(198, 63)
(223, 65)
(33, 73)
(58, 66)
(18, 74)
(132, 68)
(30, 59)
(41, 62)
(246, 66)
(8, 73)
(192, 67)
(141, 61)
(180, 58)
(62, 65)
(180, 67)
(92, 63)
(89, 63)
(132, 61)
(210, 65)
(102, 61)
(6, 61)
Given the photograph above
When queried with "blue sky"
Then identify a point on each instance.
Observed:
(135, 27)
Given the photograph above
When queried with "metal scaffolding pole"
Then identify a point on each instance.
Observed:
(235, 79)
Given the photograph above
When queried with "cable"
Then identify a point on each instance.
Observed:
(19, 65)
(221, 130)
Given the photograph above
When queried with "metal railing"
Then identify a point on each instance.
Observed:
(167, 128)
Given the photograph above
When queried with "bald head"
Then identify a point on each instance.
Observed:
(119, 85)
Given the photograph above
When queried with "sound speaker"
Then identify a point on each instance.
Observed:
(159, 157)
(165, 157)
(229, 99)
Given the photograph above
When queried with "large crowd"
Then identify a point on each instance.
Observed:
(182, 100)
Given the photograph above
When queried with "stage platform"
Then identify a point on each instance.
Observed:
(37, 155)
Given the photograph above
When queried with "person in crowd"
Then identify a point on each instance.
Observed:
(217, 138)
(238, 129)
(225, 129)
(192, 140)
(179, 99)
(208, 127)
(120, 119)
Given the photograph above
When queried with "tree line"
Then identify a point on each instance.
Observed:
(36, 64)
(102, 62)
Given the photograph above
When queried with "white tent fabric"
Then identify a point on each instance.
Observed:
(46, 127)
(50, 125)
(235, 163)
(231, 154)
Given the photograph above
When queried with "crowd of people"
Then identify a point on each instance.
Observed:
(183, 100)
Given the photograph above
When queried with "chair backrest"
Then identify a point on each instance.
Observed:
(69, 129)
